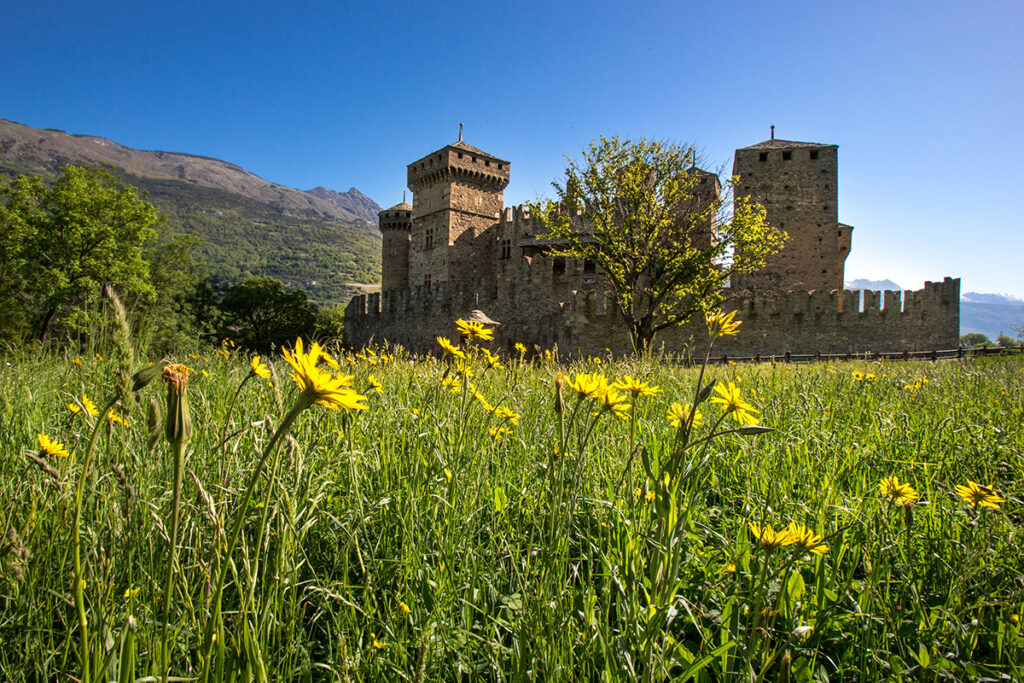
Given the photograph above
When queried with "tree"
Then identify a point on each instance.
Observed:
(61, 242)
(972, 339)
(658, 227)
(260, 313)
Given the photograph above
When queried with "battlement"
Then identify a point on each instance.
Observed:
(458, 161)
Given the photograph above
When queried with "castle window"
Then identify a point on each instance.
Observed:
(460, 155)
(589, 267)
(814, 154)
(786, 156)
(501, 167)
(763, 156)
(487, 163)
(506, 249)
(426, 280)
(428, 240)
(558, 269)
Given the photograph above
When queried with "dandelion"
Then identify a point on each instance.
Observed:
(473, 330)
(769, 538)
(729, 397)
(806, 539)
(589, 385)
(507, 414)
(901, 493)
(319, 386)
(493, 361)
(451, 384)
(679, 415)
(89, 406)
(979, 496)
(375, 384)
(722, 324)
(404, 607)
(50, 447)
(635, 387)
(258, 368)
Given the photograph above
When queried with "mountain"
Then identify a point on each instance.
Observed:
(322, 241)
(990, 314)
(873, 285)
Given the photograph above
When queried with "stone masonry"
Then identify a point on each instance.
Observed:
(457, 249)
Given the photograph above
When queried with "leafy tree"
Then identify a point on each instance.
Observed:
(657, 227)
(972, 339)
(1006, 340)
(61, 242)
(261, 314)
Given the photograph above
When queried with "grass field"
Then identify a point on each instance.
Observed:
(527, 532)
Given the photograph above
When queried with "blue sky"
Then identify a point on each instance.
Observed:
(924, 99)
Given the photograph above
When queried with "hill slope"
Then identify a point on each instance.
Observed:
(318, 240)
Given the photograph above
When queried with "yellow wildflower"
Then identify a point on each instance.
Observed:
(506, 413)
(589, 385)
(492, 360)
(131, 592)
(722, 324)
(904, 494)
(769, 538)
(498, 433)
(732, 403)
(520, 348)
(651, 495)
(379, 644)
(807, 539)
(473, 330)
(679, 415)
(452, 384)
(450, 348)
(77, 361)
(979, 496)
(404, 607)
(375, 384)
(635, 387)
(258, 368)
(319, 386)
(49, 447)
(615, 403)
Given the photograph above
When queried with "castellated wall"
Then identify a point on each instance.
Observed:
(545, 301)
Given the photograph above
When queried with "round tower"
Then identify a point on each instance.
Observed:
(395, 225)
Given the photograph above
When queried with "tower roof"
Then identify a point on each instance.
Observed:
(401, 206)
(781, 144)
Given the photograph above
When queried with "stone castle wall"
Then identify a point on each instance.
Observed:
(546, 301)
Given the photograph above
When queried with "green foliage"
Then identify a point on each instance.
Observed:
(972, 339)
(657, 227)
(61, 242)
(1006, 340)
(261, 314)
(241, 237)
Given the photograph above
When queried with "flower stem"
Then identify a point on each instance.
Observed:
(179, 468)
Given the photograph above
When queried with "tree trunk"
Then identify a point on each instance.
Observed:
(46, 324)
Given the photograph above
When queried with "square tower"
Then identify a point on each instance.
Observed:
(457, 195)
(798, 184)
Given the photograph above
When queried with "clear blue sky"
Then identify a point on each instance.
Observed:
(924, 99)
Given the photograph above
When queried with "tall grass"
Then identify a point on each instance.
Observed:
(408, 542)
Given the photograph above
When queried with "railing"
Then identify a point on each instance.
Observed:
(933, 355)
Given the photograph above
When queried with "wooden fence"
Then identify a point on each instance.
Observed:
(934, 355)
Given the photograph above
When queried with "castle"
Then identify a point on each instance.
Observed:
(458, 249)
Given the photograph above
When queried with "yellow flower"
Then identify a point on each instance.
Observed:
(769, 538)
(48, 447)
(596, 360)
(379, 644)
(452, 384)
(505, 413)
(99, 357)
(679, 415)
(131, 592)
(722, 324)
(858, 375)
(589, 385)
(205, 373)
(730, 568)
(520, 348)
(114, 418)
(732, 403)
(635, 387)
(89, 406)
(904, 494)
(450, 348)
(258, 368)
(651, 495)
(979, 496)
(404, 607)
(77, 361)
(319, 386)
(74, 408)
(375, 384)
(614, 402)
(473, 330)
(807, 539)
(498, 433)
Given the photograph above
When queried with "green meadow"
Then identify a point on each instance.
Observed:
(510, 518)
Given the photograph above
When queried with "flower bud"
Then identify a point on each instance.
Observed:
(559, 403)
(178, 427)
(145, 376)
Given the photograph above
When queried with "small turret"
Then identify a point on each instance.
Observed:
(395, 224)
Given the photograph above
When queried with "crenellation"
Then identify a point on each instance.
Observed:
(458, 248)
